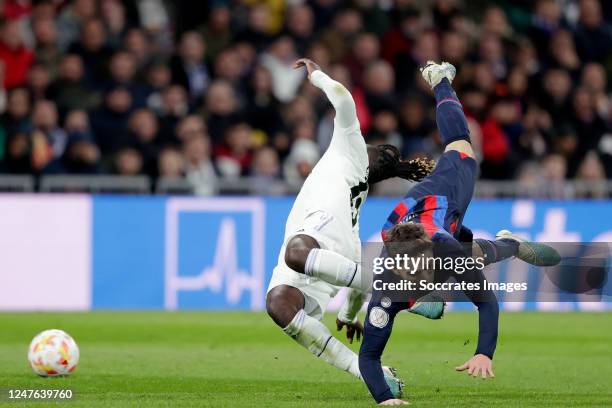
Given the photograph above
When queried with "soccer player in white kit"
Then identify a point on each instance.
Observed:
(323, 230)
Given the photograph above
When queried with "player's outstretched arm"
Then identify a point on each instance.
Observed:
(338, 95)
(377, 330)
(488, 325)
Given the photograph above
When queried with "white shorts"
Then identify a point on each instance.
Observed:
(330, 234)
(317, 293)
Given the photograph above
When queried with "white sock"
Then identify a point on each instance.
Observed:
(313, 335)
(333, 268)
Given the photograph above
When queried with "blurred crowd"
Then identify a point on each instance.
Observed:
(206, 90)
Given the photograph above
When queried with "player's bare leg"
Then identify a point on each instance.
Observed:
(461, 146)
(283, 302)
(297, 251)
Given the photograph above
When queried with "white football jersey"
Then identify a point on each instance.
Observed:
(327, 207)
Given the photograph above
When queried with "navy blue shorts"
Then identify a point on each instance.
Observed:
(441, 199)
(454, 177)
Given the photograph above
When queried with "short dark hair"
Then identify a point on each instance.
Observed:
(407, 238)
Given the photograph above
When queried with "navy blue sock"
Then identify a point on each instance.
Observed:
(495, 251)
(444, 90)
(449, 114)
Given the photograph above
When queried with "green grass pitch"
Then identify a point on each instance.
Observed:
(151, 359)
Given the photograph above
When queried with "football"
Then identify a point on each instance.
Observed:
(53, 353)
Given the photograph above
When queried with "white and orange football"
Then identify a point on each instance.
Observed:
(53, 353)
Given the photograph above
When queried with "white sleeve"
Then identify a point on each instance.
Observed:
(347, 141)
(339, 96)
(351, 306)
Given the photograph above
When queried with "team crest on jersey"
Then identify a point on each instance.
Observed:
(408, 219)
(379, 317)
(385, 302)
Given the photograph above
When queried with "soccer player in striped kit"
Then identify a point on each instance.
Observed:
(431, 216)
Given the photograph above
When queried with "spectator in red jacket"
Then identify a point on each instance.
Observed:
(14, 55)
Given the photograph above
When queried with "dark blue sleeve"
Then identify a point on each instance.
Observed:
(488, 312)
(484, 300)
(488, 322)
(375, 338)
(464, 234)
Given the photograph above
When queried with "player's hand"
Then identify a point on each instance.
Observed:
(310, 65)
(479, 364)
(394, 401)
(351, 329)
